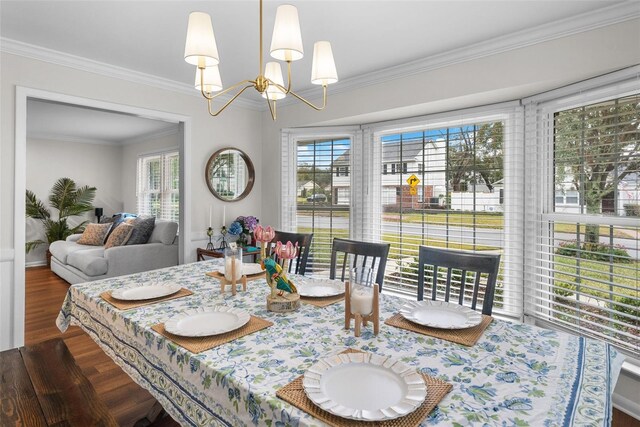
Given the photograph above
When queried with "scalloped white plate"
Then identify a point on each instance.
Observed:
(315, 287)
(440, 314)
(139, 293)
(364, 386)
(248, 268)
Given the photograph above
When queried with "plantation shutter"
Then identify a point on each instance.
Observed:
(158, 185)
(583, 173)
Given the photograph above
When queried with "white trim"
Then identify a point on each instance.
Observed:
(564, 97)
(7, 255)
(550, 31)
(16, 47)
(171, 130)
(592, 20)
(39, 263)
(628, 406)
(289, 141)
(74, 139)
(22, 94)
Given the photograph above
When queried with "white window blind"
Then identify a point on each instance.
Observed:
(158, 189)
(582, 259)
(465, 167)
(323, 196)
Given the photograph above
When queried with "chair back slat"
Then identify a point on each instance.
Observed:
(376, 253)
(304, 244)
(480, 265)
(463, 282)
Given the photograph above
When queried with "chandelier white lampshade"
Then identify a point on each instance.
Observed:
(212, 80)
(323, 67)
(286, 42)
(200, 48)
(273, 72)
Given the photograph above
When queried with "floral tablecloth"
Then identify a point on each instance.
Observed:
(516, 375)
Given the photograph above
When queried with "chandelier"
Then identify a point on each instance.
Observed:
(286, 45)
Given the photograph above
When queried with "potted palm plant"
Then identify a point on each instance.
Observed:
(69, 201)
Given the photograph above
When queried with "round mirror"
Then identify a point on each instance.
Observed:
(230, 174)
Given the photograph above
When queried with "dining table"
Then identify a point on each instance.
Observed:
(515, 375)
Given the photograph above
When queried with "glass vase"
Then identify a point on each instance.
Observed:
(233, 264)
(361, 290)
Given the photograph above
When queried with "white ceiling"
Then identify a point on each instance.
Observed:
(148, 36)
(64, 122)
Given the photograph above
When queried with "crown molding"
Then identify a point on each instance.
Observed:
(68, 138)
(168, 131)
(599, 18)
(171, 130)
(15, 47)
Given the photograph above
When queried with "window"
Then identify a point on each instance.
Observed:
(587, 274)
(384, 169)
(158, 185)
(456, 204)
(325, 163)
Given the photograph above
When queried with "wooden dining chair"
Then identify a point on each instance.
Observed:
(299, 265)
(481, 269)
(371, 255)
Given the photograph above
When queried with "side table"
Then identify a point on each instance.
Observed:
(219, 253)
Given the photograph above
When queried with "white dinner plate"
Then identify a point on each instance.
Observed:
(145, 292)
(364, 386)
(440, 314)
(316, 287)
(248, 268)
(207, 321)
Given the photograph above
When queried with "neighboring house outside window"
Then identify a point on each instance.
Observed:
(158, 186)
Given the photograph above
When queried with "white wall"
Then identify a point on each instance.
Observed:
(94, 165)
(130, 152)
(237, 126)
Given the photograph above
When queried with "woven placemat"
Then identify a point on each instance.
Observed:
(294, 394)
(323, 301)
(128, 305)
(468, 336)
(200, 344)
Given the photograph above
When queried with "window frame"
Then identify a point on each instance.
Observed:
(165, 192)
(540, 209)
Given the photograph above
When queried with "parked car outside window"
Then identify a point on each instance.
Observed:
(317, 198)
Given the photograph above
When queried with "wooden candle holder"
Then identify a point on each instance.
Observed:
(361, 320)
(244, 279)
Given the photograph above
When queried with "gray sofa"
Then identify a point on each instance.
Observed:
(82, 263)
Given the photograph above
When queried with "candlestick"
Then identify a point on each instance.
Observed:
(224, 216)
(209, 216)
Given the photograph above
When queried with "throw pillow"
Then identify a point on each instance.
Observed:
(142, 229)
(119, 236)
(94, 234)
(118, 219)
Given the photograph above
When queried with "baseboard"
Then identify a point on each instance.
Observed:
(628, 406)
(35, 263)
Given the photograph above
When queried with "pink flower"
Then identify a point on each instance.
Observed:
(286, 251)
(264, 234)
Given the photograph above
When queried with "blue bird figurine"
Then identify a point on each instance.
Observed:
(277, 275)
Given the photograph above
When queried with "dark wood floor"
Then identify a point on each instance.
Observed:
(45, 292)
(127, 401)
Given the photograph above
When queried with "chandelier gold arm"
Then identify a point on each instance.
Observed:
(210, 97)
(229, 101)
(272, 109)
(289, 91)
